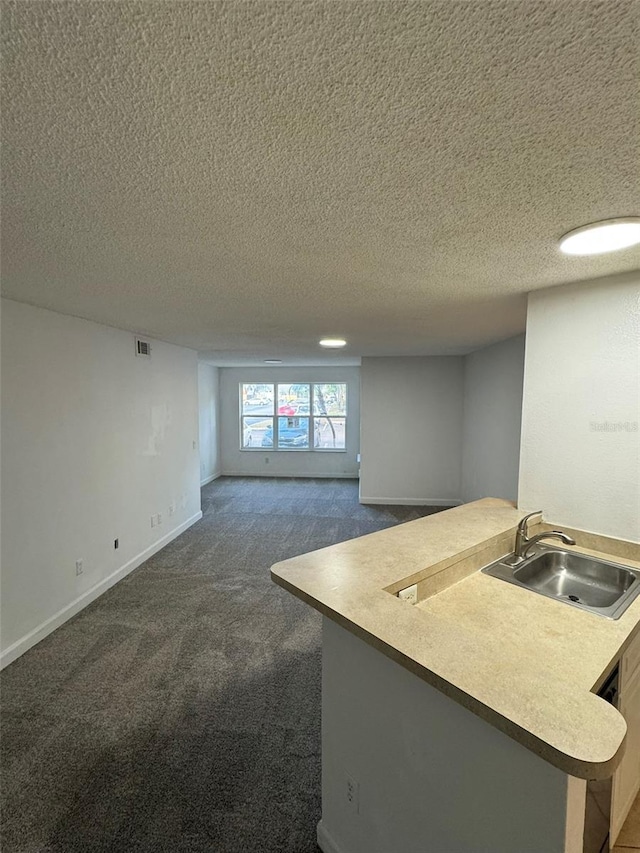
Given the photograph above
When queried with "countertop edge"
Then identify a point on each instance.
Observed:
(569, 764)
(332, 578)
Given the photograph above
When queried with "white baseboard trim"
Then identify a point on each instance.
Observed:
(313, 474)
(25, 643)
(412, 501)
(325, 841)
(210, 479)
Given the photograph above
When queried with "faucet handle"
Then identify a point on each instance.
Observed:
(522, 524)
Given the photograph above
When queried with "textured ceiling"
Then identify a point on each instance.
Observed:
(245, 177)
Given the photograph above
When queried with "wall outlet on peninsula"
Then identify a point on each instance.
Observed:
(409, 594)
(352, 793)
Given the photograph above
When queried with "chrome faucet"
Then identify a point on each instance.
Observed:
(549, 534)
(524, 541)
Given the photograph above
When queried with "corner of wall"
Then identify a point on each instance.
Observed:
(492, 416)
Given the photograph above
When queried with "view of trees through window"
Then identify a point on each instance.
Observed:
(296, 416)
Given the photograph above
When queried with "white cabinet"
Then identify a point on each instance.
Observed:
(626, 780)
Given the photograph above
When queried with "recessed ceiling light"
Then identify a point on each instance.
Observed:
(333, 343)
(273, 361)
(606, 236)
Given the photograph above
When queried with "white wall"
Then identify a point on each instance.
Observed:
(1, 304)
(299, 463)
(209, 420)
(492, 419)
(411, 430)
(94, 441)
(432, 776)
(580, 456)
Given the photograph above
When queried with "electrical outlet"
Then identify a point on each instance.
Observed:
(266, 460)
(172, 508)
(153, 521)
(409, 594)
(159, 518)
(79, 567)
(352, 793)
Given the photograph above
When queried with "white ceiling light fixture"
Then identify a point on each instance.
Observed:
(333, 343)
(609, 235)
(273, 361)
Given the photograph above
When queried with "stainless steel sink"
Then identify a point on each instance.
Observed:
(598, 586)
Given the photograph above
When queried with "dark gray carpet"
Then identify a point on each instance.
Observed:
(181, 710)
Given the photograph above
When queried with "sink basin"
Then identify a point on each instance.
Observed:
(598, 586)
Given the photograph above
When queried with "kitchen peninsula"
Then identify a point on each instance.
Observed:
(468, 722)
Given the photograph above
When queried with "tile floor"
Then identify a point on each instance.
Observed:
(629, 838)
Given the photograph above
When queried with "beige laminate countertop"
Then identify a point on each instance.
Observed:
(525, 663)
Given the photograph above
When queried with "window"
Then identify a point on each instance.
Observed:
(297, 416)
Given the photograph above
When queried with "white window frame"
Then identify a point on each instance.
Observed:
(275, 419)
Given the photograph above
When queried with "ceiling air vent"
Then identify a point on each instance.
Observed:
(143, 347)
